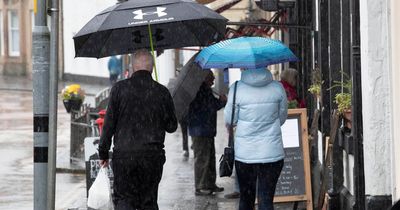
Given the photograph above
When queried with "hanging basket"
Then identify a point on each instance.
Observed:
(72, 104)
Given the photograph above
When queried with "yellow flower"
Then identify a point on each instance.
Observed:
(73, 91)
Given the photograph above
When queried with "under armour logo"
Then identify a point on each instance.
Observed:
(139, 13)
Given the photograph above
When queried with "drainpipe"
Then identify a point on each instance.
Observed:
(356, 106)
(53, 99)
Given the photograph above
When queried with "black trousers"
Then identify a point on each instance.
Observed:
(263, 176)
(185, 137)
(204, 162)
(136, 182)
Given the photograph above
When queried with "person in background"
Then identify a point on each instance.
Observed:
(185, 138)
(203, 128)
(289, 81)
(139, 112)
(261, 110)
(114, 68)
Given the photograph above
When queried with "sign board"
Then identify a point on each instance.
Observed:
(92, 161)
(294, 183)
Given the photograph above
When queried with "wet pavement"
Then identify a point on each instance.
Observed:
(176, 191)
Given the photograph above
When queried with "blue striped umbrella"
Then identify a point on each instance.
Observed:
(245, 52)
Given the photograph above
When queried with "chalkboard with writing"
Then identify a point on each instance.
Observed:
(291, 182)
(294, 183)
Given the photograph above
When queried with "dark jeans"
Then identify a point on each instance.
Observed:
(204, 162)
(185, 138)
(136, 182)
(265, 175)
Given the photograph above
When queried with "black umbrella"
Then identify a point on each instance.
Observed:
(127, 26)
(185, 86)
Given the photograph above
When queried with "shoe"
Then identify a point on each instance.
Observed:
(203, 192)
(185, 153)
(233, 195)
(217, 189)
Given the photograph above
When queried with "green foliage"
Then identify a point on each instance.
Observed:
(345, 84)
(315, 89)
(292, 104)
(317, 82)
(343, 99)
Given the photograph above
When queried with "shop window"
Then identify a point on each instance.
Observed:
(13, 33)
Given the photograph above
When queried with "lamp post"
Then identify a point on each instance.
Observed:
(40, 79)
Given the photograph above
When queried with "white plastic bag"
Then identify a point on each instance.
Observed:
(100, 192)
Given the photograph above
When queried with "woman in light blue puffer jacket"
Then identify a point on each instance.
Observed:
(260, 110)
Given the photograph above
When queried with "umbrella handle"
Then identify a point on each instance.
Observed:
(152, 52)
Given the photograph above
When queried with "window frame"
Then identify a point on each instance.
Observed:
(11, 51)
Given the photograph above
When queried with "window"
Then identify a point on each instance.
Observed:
(1, 34)
(13, 33)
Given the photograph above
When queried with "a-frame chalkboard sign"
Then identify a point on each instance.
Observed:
(294, 184)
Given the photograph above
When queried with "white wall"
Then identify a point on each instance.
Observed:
(395, 68)
(76, 14)
(187, 55)
(376, 96)
(348, 174)
(166, 66)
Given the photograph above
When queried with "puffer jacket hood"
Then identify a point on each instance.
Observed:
(256, 77)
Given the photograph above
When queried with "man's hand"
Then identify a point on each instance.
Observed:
(223, 98)
(104, 163)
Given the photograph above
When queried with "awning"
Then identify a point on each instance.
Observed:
(204, 1)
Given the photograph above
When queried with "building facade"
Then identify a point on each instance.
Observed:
(361, 38)
(380, 49)
(16, 23)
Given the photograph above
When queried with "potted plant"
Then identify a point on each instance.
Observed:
(343, 99)
(292, 104)
(315, 87)
(73, 97)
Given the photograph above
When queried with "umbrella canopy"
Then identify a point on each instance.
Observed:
(245, 52)
(185, 86)
(124, 27)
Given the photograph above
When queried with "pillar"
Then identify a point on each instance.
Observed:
(375, 77)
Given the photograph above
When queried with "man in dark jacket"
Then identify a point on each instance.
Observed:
(202, 129)
(139, 113)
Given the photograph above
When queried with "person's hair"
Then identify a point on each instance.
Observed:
(142, 60)
(290, 76)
